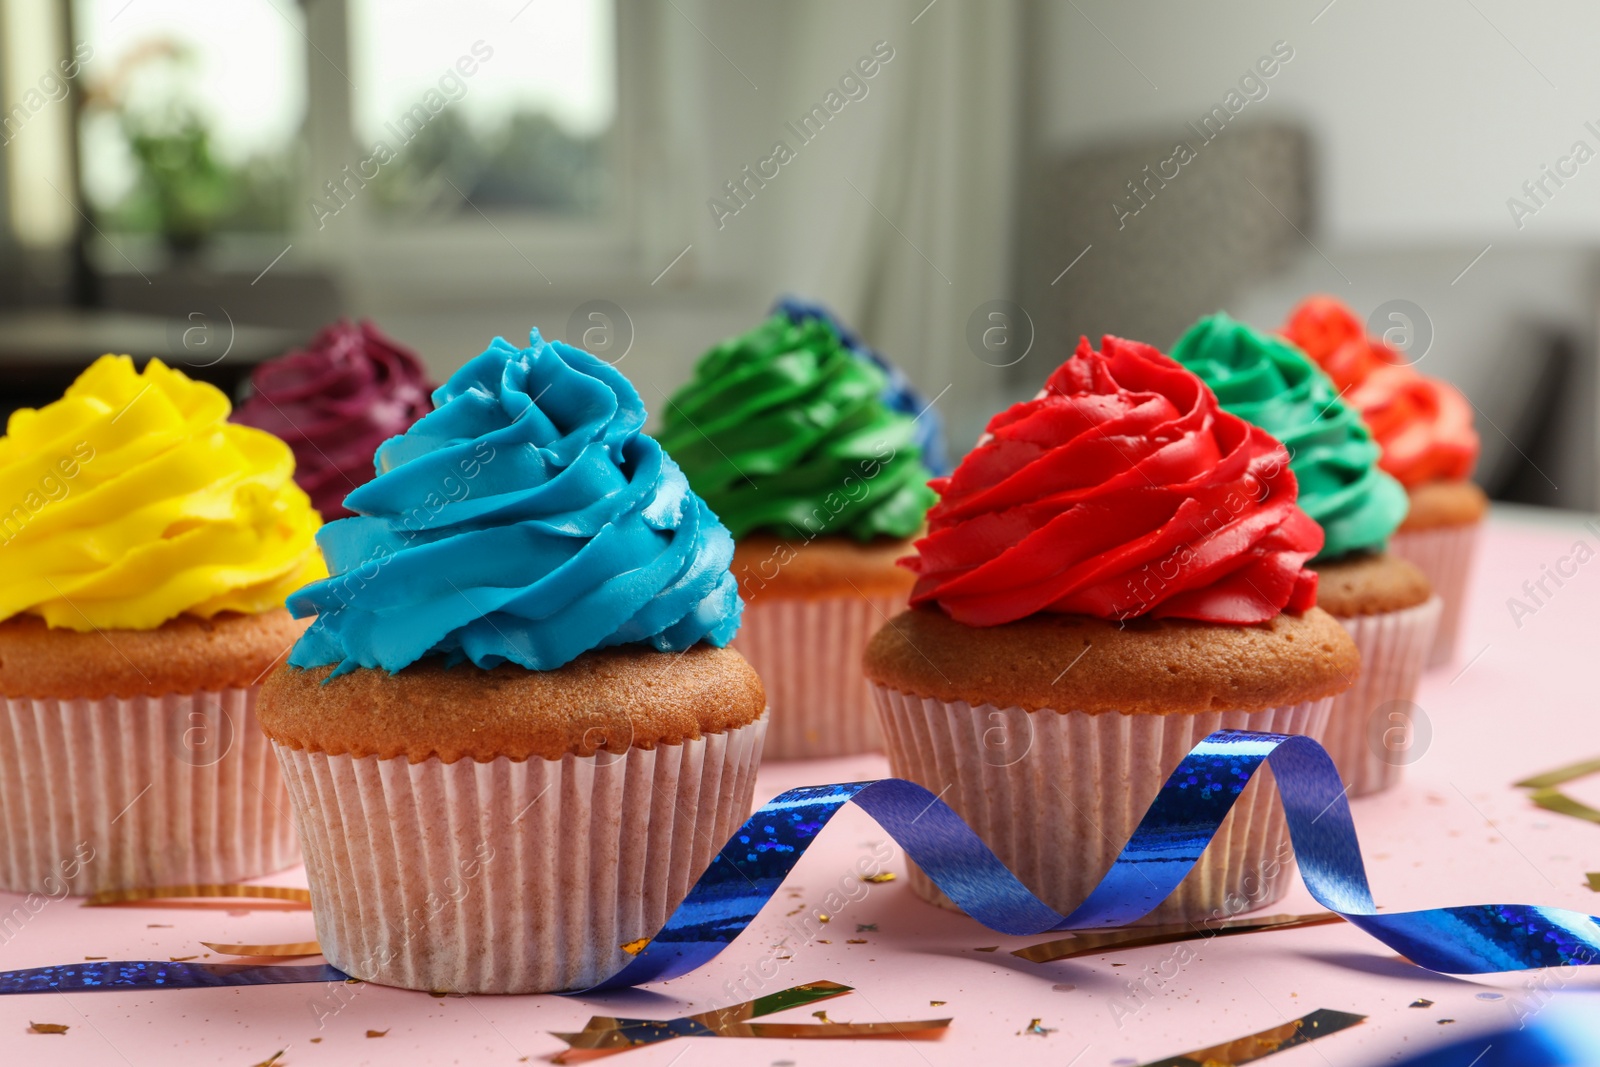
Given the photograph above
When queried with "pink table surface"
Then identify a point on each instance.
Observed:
(1519, 700)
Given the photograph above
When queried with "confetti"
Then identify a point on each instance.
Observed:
(855, 941)
(1446, 1022)
(823, 916)
(823, 941)
(96, 957)
(1420, 1002)
(879, 878)
(46, 1028)
(605, 1035)
(936, 1003)
(1033, 1027)
(316, 1041)
(988, 948)
(1594, 880)
(823, 1015)
(1252, 1047)
(182, 959)
(274, 1060)
(1088, 942)
(633, 948)
(168, 892)
(378, 1033)
(291, 948)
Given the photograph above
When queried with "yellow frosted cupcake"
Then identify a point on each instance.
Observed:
(147, 548)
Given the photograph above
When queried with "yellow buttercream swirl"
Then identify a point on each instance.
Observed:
(132, 500)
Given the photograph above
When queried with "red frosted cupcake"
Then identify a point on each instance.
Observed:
(1424, 426)
(335, 401)
(1114, 572)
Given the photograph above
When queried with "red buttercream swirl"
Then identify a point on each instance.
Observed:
(335, 401)
(1424, 425)
(1122, 490)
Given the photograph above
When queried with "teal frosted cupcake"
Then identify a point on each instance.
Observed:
(788, 433)
(514, 735)
(1384, 602)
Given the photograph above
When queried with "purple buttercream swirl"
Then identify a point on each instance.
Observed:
(335, 401)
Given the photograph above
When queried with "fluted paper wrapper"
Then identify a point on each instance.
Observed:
(1369, 729)
(1057, 794)
(510, 876)
(808, 654)
(128, 793)
(1445, 555)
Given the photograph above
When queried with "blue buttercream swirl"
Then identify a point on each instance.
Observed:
(525, 520)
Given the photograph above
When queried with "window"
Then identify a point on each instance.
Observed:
(192, 114)
(505, 104)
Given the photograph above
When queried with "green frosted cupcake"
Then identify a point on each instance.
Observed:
(1385, 603)
(786, 433)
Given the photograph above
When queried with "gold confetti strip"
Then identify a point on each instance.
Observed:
(1420, 1002)
(182, 959)
(46, 1028)
(1548, 795)
(1034, 1027)
(606, 1036)
(290, 948)
(378, 1033)
(633, 948)
(879, 878)
(1252, 1047)
(855, 941)
(180, 892)
(1089, 942)
(1594, 880)
(274, 1060)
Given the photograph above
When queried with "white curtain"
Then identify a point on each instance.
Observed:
(898, 214)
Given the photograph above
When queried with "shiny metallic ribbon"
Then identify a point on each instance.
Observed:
(1165, 846)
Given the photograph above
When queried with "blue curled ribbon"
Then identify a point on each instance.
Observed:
(1474, 939)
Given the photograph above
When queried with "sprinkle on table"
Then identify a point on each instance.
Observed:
(1420, 1002)
(879, 878)
(379, 1033)
(1034, 1027)
(46, 1028)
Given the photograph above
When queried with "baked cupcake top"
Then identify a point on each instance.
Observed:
(335, 401)
(1122, 490)
(133, 500)
(1267, 381)
(525, 520)
(1424, 425)
(785, 430)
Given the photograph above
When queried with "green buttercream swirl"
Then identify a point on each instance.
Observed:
(1267, 381)
(782, 430)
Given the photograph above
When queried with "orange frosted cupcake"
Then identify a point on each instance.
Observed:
(1424, 426)
(1116, 571)
(146, 564)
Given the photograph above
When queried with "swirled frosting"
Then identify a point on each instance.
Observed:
(1267, 381)
(132, 500)
(784, 430)
(898, 392)
(1423, 425)
(1121, 490)
(525, 520)
(335, 401)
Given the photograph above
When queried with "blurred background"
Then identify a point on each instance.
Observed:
(210, 182)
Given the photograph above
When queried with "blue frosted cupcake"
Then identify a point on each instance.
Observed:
(514, 735)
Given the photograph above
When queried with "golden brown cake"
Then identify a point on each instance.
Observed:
(182, 655)
(1369, 583)
(1436, 504)
(605, 700)
(1144, 666)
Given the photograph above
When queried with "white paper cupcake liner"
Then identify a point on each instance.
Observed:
(508, 876)
(1057, 794)
(117, 794)
(1370, 729)
(808, 654)
(1445, 555)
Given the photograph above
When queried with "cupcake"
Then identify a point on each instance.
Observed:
(1424, 427)
(514, 735)
(335, 401)
(1384, 602)
(1114, 572)
(787, 434)
(147, 556)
